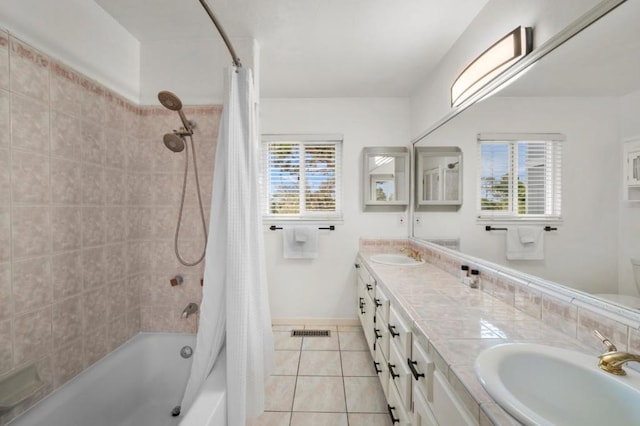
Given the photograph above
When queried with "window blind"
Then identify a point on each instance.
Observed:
(520, 176)
(301, 178)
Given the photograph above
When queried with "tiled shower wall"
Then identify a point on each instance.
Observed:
(88, 206)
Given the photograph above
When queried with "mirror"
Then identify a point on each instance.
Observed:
(588, 90)
(438, 176)
(385, 179)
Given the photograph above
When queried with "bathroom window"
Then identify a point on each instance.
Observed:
(301, 177)
(520, 176)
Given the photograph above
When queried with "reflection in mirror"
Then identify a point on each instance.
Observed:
(588, 89)
(385, 176)
(438, 176)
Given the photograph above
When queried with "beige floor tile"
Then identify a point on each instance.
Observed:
(282, 341)
(352, 341)
(271, 418)
(321, 343)
(350, 328)
(285, 363)
(278, 393)
(357, 363)
(361, 419)
(319, 419)
(364, 395)
(320, 394)
(320, 363)
(332, 328)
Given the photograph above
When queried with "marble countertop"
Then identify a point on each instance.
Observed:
(460, 322)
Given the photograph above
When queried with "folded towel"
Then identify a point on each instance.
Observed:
(529, 234)
(527, 244)
(300, 242)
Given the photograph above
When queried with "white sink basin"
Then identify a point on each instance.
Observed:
(395, 259)
(542, 385)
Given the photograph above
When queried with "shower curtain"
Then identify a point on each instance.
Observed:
(235, 307)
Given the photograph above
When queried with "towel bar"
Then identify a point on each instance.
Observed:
(490, 228)
(329, 228)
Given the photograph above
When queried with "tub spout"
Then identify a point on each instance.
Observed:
(192, 308)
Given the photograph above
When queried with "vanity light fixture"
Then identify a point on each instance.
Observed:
(491, 63)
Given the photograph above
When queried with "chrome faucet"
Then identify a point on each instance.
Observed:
(412, 253)
(613, 360)
(190, 309)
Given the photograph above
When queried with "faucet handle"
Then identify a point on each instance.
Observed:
(610, 346)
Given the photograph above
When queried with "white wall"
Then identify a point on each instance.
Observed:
(583, 252)
(82, 35)
(629, 221)
(432, 99)
(325, 287)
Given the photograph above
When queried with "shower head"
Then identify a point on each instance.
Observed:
(170, 100)
(174, 142)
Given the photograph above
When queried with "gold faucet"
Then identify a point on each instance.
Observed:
(613, 360)
(412, 253)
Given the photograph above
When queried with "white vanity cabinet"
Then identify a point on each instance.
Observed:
(417, 393)
(366, 306)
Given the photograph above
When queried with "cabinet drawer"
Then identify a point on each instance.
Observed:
(422, 367)
(382, 304)
(382, 329)
(400, 333)
(422, 414)
(400, 377)
(383, 371)
(397, 413)
(447, 409)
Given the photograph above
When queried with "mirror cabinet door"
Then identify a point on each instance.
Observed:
(438, 176)
(385, 178)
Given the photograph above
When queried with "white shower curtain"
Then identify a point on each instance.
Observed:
(235, 308)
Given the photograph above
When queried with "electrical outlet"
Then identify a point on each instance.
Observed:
(418, 220)
(401, 220)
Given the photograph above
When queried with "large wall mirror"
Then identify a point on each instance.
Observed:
(588, 91)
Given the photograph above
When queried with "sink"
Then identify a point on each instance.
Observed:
(543, 385)
(395, 259)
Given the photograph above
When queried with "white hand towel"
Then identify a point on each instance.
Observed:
(300, 242)
(525, 245)
(528, 234)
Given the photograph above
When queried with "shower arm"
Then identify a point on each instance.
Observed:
(223, 34)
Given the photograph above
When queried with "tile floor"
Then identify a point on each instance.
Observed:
(323, 381)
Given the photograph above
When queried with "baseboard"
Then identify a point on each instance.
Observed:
(352, 322)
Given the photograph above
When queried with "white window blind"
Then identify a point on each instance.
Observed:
(520, 176)
(302, 177)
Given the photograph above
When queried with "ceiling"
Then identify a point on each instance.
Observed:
(603, 60)
(311, 48)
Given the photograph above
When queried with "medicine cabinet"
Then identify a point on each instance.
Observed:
(385, 176)
(438, 176)
(631, 166)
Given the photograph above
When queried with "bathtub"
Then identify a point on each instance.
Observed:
(138, 384)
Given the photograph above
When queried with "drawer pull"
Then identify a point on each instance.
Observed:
(412, 367)
(392, 330)
(378, 303)
(357, 266)
(361, 303)
(362, 311)
(393, 419)
(369, 287)
(393, 373)
(376, 331)
(377, 368)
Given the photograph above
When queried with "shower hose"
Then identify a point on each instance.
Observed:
(184, 188)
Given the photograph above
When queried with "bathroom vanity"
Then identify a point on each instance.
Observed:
(425, 330)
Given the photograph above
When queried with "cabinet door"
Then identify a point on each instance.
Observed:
(400, 376)
(422, 368)
(382, 304)
(633, 168)
(382, 369)
(447, 409)
(422, 415)
(397, 413)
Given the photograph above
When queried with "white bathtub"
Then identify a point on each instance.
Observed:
(136, 385)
